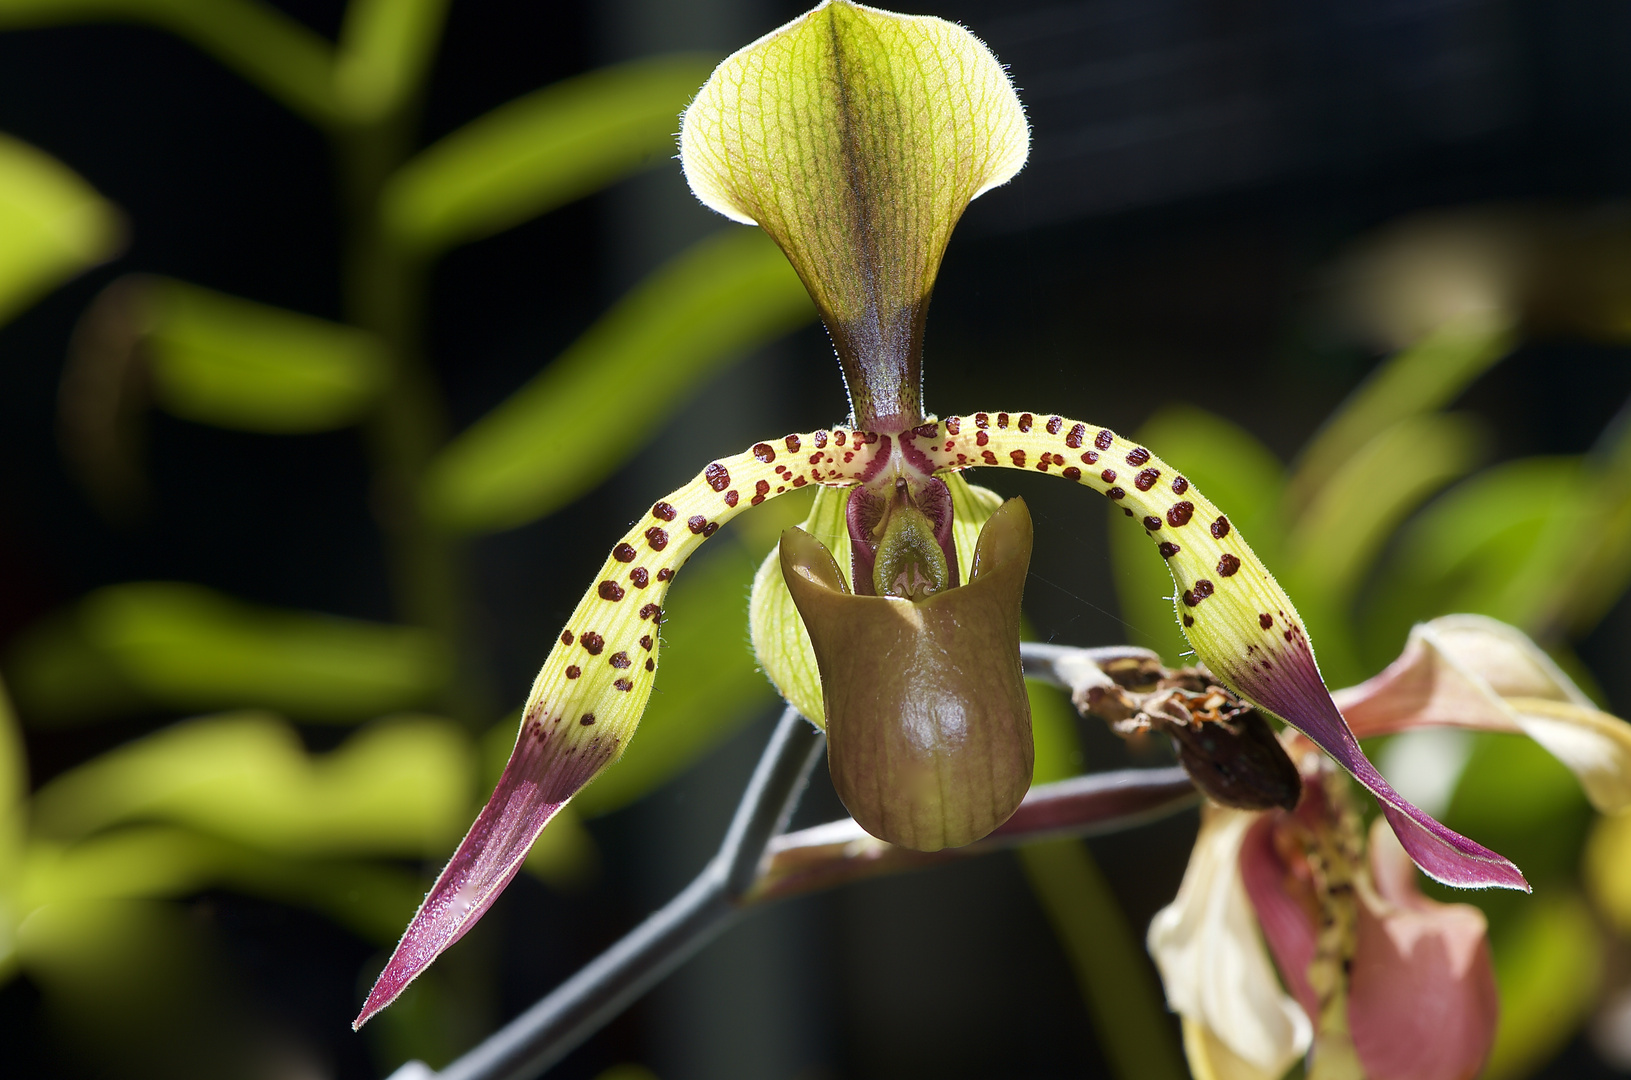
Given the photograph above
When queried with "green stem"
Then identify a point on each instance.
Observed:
(1115, 978)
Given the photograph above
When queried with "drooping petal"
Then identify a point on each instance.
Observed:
(588, 698)
(1216, 973)
(1471, 671)
(1239, 620)
(856, 137)
(928, 723)
(1422, 1001)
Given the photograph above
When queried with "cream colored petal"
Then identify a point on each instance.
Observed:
(1214, 966)
(1475, 672)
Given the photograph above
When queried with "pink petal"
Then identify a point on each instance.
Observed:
(1293, 690)
(542, 774)
(1285, 905)
(1420, 689)
(1422, 1002)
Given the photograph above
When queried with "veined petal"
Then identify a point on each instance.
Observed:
(1240, 622)
(1471, 671)
(1213, 965)
(587, 700)
(856, 137)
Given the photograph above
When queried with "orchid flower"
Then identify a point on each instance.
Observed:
(855, 138)
(1386, 983)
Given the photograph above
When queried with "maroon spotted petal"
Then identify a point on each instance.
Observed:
(537, 782)
(1295, 692)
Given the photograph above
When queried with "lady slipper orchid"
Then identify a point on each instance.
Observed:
(1388, 984)
(856, 138)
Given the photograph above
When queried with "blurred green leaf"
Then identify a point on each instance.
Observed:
(588, 412)
(1053, 731)
(1523, 802)
(54, 225)
(1331, 548)
(278, 54)
(541, 151)
(233, 363)
(385, 48)
(400, 786)
(1547, 966)
(1472, 549)
(13, 787)
(1115, 976)
(1418, 380)
(1237, 472)
(182, 646)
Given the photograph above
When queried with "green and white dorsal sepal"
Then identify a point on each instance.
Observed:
(1238, 619)
(588, 699)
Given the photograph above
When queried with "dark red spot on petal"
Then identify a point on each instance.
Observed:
(1072, 473)
(623, 685)
(610, 590)
(1168, 549)
(792, 443)
(1117, 493)
(988, 457)
(1227, 565)
(593, 643)
(623, 553)
(1147, 479)
(1108, 476)
(696, 523)
(1002, 419)
(1265, 620)
(982, 420)
(619, 660)
(665, 574)
(953, 425)
(657, 538)
(1180, 513)
(1220, 527)
(820, 439)
(1077, 434)
(718, 477)
(1089, 458)
(586, 719)
(731, 497)
(764, 452)
(566, 637)
(1017, 457)
(1179, 485)
(1137, 456)
(645, 643)
(1189, 620)
(650, 611)
(664, 511)
(709, 529)
(981, 438)
(1054, 424)
(1152, 523)
(1104, 438)
(838, 438)
(651, 665)
(640, 576)
(1025, 421)
(573, 671)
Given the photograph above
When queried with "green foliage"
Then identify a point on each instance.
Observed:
(185, 647)
(580, 418)
(53, 223)
(540, 152)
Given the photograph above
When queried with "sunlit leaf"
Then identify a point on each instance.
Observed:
(587, 413)
(288, 61)
(540, 151)
(385, 48)
(185, 647)
(1230, 465)
(400, 786)
(53, 223)
(1420, 379)
(1334, 543)
(235, 363)
(1547, 966)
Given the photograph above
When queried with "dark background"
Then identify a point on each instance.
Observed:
(1196, 166)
